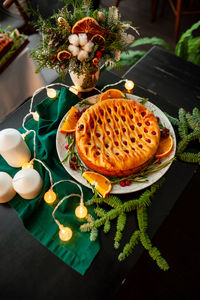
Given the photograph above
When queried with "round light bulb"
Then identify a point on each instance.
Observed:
(81, 211)
(129, 85)
(50, 196)
(65, 233)
(35, 116)
(28, 165)
(51, 93)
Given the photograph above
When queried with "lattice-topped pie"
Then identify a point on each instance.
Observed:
(117, 137)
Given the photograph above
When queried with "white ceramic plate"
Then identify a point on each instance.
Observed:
(117, 189)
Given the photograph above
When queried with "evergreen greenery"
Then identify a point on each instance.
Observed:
(188, 125)
(118, 210)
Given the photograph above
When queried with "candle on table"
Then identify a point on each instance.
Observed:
(27, 183)
(13, 148)
(6, 188)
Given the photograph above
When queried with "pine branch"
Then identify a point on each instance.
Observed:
(100, 212)
(190, 157)
(161, 262)
(142, 219)
(119, 210)
(182, 128)
(121, 222)
(196, 114)
(129, 247)
(194, 125)
(173, 120)
(106, 226)
(186, 140)
(146, 242)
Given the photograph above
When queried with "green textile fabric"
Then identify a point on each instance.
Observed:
(36, 215)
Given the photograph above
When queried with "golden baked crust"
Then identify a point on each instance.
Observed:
(117, 137)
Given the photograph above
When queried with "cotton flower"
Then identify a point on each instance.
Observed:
(88, 47)
(82, 39)
(80, 46)
(127, 38)
(74, 39)
(74, 50)
(82, 55)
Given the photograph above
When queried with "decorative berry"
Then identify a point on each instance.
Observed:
(127, 182)
(81, 127)
(122, 183)
(67, 147)
(99, 54)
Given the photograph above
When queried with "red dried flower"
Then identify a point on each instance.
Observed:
(99, 54)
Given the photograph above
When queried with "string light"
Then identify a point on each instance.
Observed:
(51, 93)
(28, 165)
(50, 197)
(129, 85)
(113, 84)
(81, 211)
(65, 233)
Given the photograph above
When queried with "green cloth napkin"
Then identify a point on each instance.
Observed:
(36, 215)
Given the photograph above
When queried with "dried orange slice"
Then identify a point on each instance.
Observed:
(62, 55)
(70, 122)
(88, 25)
(165, 147)
(100, 182)
(110, 94)
(99, 40)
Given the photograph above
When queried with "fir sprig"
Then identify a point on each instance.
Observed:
(189, 130)
(118, 210)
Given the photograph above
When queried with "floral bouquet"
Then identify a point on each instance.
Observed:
(77, 38)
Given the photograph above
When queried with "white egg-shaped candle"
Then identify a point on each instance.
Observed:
(13, 148)
(7, 191)
(27, 183)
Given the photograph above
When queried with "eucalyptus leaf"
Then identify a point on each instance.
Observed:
(151, 41)
(131, 54)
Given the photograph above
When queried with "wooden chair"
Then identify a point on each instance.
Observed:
(176, 7)
(27, 28)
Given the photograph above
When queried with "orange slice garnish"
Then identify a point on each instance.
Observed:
(88, 25)
(165, 147)
(62, 55)
(100, 182)
(110, 94)
(70, 122)
(99, 40)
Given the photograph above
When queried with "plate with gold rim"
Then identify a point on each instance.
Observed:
(61, 142)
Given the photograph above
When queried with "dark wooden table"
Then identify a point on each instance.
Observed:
(29, 271)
